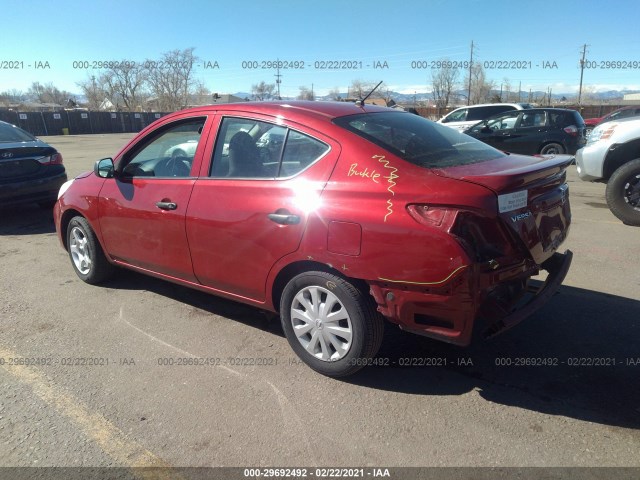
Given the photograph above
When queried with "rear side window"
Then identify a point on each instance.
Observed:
(456, 116)
(10, 134)
(254, 149)
(418, 140)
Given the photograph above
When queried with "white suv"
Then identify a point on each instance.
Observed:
(465, 117)
(612, 155)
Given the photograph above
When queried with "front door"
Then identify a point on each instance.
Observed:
(142, 209)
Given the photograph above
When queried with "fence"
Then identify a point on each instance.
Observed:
(75, 122)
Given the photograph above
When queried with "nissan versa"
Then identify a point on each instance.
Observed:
(335, 215)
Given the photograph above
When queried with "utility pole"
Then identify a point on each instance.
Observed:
(519, 89)
(278, 81)
(470, 70)
(584, 52)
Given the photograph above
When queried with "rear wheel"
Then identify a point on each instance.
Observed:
(331, 324)
(85, 252)
(552, 149)
(623, 193)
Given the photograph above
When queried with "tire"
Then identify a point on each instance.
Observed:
(623, 193)
(552, 148)
(312, 335)
(87, 258)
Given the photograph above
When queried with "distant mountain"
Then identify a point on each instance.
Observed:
(409, 98)
(242, 95)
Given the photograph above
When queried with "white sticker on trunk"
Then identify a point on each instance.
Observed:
(512, 201)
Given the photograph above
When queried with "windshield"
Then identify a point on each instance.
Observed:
(11, 134)
(418, 140)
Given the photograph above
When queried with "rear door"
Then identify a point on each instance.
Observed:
(249, 208)
(531, 131)
(498, 131)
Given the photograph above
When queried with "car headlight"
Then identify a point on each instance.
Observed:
(601, 133)
(65, 186)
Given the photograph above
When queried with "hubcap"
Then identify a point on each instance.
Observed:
(79, 250)
(632, 192)
(321, 323)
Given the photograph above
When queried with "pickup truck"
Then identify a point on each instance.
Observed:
(612, 155)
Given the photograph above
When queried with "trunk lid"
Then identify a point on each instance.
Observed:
(21, 159)
(532, 197)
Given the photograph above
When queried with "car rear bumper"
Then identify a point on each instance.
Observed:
(32, 190)
(557, 266)
(449, 312)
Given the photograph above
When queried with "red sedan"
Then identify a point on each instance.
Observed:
(334, 215)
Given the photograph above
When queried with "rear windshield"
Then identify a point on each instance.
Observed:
(10, 134)
(418, 140)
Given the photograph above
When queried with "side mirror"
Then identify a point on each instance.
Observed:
(104, 168)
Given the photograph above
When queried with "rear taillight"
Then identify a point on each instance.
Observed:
(571, 130)
(427, 214)
(55, 159)
(482, 237)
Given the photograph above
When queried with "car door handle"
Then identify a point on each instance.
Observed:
(284, 218)
(167, 205)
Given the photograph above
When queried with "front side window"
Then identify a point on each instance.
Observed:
(254, 149)
(503, 122)
(456, 116)
(418, 140)
(168, 153)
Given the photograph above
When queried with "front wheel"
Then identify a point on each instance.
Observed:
(331, 325)
(623, 193)
(87, 257)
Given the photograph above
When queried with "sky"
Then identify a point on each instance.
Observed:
(537, 44)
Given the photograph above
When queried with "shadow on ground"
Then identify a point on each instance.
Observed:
(585, 346)
(29, 219)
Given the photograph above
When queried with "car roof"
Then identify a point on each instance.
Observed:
(517, 105)
(292, 110)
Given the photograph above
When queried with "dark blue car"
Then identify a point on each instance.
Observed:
(534, 131)
(30, 170)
